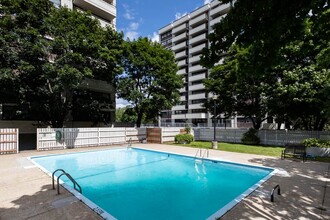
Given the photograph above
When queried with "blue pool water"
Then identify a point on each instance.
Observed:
(141, 184)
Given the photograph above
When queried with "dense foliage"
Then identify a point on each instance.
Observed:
(274, 62)
(314, 142)
(184, 138)
(251, 137)
(149, 82)
(46, 54)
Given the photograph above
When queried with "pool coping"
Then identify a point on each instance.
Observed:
(105, 215)
(97, 209)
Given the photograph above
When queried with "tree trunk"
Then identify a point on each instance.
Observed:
(139, 119)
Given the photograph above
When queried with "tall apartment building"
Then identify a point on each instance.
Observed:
(103, 10)
(187, 37)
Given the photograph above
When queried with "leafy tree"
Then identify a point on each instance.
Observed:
(22, 52)
(270, 64)
(300, 81)
(82, 49)
(48, 53)
(238, 85)
(149, 81)
(270, 23)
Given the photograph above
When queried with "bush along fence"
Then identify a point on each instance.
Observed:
(9, 140)
(267, 137)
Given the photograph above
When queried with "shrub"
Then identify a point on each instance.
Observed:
(251, 137)
(184, 138)
(313, 142)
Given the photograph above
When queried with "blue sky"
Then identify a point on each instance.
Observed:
(144, 18)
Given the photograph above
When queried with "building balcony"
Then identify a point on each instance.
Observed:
(196, 106)
(194, 59)
(180, 37)
(199, 29)
(196, 115)
(199, 11)
(198, 39)
(165, 29)
(196, 87)
(180, 28)
(197, 77)
(220, 10)
(182, 71)
(181, 54)
(215, 3)
(216, 20)
(180, 116)
(198, 20)
(197, 96)
(196, 68)
(100, 8)
(180, 21)
(183, 98)
(182, 63)
(178, 107)
(179, 46)
(197, 49)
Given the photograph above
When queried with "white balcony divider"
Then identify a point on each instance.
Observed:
(9, 140)
(47, 138)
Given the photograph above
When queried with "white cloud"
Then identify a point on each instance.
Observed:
(131, 34)
(121, 103)
(128, 14)
(180, 15)
(154, 37)
(133, 26)
(207, 2)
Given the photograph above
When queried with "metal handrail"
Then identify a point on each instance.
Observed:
(207, 153)
(70, 178)
(278, 192)
(53, 174)
(130, 142)
(200, 153)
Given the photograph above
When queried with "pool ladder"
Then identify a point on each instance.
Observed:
(200, 154)
(75, 184)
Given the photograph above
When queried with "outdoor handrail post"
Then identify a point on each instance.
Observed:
(214, 121)
(214, 142)
(278, 192)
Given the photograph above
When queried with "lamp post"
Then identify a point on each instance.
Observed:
(214, 142)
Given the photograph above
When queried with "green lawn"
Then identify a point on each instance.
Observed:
(240, 148)
(247, 149)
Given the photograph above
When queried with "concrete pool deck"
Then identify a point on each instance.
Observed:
(25, 190)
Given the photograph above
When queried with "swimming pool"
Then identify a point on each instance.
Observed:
(143, 184)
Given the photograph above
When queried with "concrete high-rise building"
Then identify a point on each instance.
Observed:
(103, 10)
(187, 37)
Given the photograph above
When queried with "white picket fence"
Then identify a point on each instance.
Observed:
(86, 137)
(9, 140)
(267, 137)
